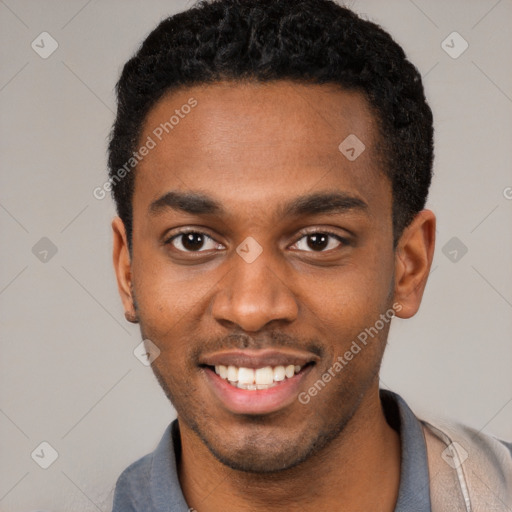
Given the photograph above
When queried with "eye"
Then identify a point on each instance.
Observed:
(197, 241)
(320, 241)
(192, 241)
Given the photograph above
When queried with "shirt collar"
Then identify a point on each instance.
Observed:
(164, 484)
(414, 490)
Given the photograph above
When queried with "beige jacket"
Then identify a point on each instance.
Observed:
(469, 471)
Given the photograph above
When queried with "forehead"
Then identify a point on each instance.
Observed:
(260, 142)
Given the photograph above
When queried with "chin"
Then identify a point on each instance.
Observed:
(258, 459)
(263, 453)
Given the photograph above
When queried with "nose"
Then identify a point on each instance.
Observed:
(253, 294)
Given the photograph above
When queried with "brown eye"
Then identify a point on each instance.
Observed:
(192, 241)
(319, 241)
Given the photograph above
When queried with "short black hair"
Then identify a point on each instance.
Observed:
(306, 41)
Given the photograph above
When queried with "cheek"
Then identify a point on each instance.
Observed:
(163, 294)
(171, 306)
(357, 292)
(351, 302)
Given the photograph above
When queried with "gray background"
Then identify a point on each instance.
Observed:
(68, 375)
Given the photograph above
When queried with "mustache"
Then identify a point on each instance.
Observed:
(240, 341)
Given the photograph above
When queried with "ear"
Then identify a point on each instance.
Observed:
(122, 266)
(413, 258)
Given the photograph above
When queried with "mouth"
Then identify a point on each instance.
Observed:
(253, 379)
(256, 382)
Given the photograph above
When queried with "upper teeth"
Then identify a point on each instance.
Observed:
(259, 378)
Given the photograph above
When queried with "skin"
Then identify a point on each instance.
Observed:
(253, 147)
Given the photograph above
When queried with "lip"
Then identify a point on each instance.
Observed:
(255, 402)
(258, 358)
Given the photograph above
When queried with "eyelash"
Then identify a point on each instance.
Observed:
(302, 234)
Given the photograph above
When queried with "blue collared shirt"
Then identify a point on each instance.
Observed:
(151, 484)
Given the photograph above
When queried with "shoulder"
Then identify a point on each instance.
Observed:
(473, 470)
(151, 483)
(476, 440)
(132, 491)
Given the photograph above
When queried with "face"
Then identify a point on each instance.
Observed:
(258, 246)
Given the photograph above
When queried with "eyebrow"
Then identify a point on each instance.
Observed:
(196, 203)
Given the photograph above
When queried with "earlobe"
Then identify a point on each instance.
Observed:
(122, 266)
(413, 259)
(131, 316)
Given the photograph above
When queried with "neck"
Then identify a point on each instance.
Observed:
(360, 469)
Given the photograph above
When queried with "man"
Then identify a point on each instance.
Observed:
(270, 163)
